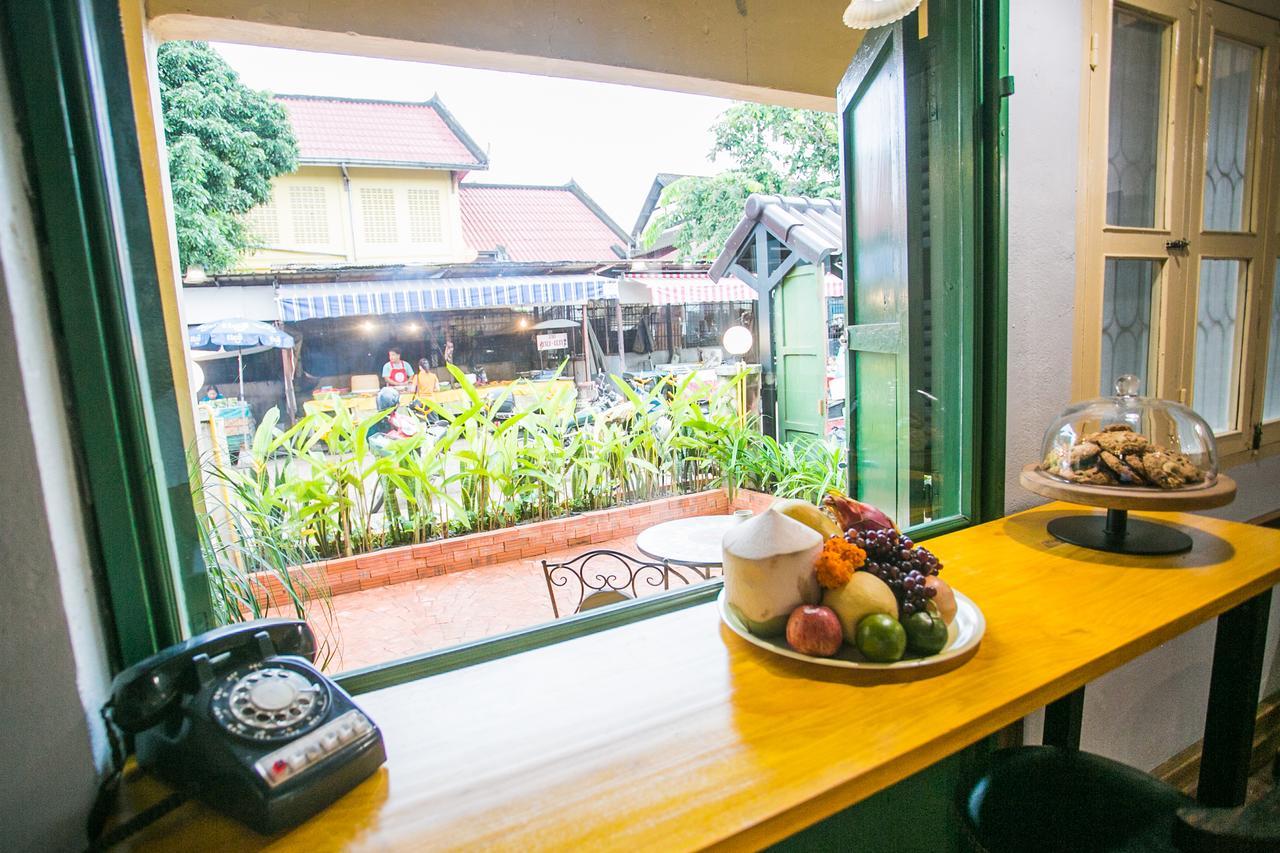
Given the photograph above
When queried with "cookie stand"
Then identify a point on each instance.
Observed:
(1128, 452)
(1116, 531)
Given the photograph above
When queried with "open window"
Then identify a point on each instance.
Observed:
(925, 404)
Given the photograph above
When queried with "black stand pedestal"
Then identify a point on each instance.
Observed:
(1119, 534)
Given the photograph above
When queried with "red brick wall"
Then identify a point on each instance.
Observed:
(525, 541)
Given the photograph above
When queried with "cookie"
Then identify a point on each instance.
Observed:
(1170, 470)
(1084, 455)
(1119, 468)
(1134, 461)
(1122, 441)
(1096, 476)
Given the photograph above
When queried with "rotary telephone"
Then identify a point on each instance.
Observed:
(240, 718)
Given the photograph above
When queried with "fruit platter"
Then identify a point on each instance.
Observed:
(840, 585)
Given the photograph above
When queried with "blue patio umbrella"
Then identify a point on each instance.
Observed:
(238, 335)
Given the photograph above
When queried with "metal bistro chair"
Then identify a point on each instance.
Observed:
(619, 579)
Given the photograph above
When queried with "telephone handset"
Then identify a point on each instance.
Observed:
(240, 718)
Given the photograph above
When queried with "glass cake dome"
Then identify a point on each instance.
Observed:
(1133, 441)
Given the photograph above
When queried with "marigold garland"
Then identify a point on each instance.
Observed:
(838, 561)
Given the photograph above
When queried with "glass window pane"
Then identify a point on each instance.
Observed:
(1271, 402)
(1128, 287)
(1231, 98)
(1216, 314)
(1135, 110)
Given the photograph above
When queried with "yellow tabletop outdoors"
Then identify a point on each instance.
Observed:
(673, 733)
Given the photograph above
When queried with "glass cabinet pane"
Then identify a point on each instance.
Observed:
(1128, 289)
(1271, 401)
(1135, 114)
(1231, 97)
(1217, 309)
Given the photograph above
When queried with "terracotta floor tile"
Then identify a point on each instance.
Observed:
(389, 622)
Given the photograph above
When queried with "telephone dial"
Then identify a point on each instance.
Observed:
(240, 718)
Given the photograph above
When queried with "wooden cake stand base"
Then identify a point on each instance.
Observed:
(1115, 531)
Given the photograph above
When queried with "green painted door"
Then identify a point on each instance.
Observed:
(800, 354)
(872, 101)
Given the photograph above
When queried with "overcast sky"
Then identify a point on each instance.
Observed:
(612, 139)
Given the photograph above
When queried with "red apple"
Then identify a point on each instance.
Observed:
(945, 598)
(814, 631)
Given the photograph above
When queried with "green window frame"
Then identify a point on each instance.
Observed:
(70, 87)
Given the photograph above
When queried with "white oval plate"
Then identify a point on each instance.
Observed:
(963, 635)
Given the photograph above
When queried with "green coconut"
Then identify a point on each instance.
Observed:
(768, 570)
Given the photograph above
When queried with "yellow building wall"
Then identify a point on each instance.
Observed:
(315, 217)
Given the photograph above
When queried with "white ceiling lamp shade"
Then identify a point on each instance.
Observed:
(869, 14)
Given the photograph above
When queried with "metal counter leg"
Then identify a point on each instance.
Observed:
(1062, 721)
(1233, 702)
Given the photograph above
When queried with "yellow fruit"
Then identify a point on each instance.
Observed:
(862, 596)
(808, 515)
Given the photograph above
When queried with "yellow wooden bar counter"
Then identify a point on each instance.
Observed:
(672, 733)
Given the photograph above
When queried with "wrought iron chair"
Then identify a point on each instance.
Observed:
(603, 577)
(696, 572)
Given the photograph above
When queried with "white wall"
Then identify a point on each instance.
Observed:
(205, 304)
(1145, 712)
(53, 674)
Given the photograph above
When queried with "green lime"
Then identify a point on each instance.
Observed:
(926, 633)
(880, 638)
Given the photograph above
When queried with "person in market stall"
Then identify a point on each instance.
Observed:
(425, 382)
(210, 394)
(397, 373)
(397, 423)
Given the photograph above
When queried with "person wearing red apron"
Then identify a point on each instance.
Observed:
(396, 373)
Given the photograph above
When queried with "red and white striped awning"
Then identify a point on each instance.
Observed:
(834, 286)
(690, 288)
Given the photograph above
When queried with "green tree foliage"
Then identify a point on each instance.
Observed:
(774, 150)
(226, 142)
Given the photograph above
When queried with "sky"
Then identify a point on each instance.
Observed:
(611, 139)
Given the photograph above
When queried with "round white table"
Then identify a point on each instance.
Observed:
(686, 541)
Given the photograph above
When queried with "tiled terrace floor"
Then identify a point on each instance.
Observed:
(389, 622)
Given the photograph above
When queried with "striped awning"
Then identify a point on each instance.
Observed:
(679, 288)
(364, 298)
(690, 288)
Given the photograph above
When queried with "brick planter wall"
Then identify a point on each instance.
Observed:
(524, 541)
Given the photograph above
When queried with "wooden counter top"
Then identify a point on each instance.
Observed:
(674, 733)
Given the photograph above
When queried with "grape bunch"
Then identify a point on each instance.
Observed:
(897, 561)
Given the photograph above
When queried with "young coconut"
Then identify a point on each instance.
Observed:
(768, 570)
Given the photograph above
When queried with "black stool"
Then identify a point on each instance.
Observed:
(1049, 799)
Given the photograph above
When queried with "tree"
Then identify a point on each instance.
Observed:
(774, 150)
(226, 142)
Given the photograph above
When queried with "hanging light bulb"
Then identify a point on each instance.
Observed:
(869, 14)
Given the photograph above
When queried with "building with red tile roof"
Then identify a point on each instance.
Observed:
(517, 222)
(358, 132)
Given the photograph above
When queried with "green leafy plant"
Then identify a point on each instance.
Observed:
(319, 489)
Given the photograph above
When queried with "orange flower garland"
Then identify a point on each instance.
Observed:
(838, 561)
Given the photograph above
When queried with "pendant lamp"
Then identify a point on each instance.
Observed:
(869, 14)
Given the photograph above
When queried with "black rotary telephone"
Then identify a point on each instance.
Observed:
(240, 718)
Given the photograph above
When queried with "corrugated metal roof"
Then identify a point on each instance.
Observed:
(810, 227)
(350, 130)
(538, 223)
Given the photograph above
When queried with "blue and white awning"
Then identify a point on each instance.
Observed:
(364, 298)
